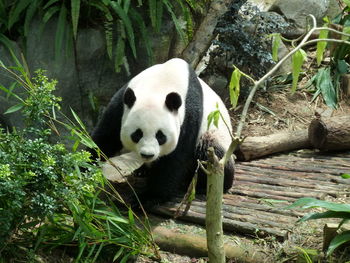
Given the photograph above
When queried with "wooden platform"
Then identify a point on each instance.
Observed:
(264, 187)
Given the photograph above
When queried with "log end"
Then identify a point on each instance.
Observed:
(318, 133)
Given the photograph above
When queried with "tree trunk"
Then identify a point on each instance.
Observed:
(330, 134)
(204, 35)
(255, 147)
(213, 221)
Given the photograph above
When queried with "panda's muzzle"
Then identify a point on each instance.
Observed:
(147, 156)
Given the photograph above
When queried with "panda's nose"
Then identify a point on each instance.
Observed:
(147, 156)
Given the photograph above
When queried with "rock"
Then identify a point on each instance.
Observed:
(334, 9)
(296, 11)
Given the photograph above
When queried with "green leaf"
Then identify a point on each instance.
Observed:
(131, 216)
(275, 45)
(308, 202)
(14, 108)
(176, 21)
(29, 15)
(127, 23)
(61, 27)
(325, 84)
(347, 2)
(75, 11)
(327, 214)
(144, 33)
(119, 54)
(53, 10)
(345, 176)
(16, 10)
(342, 66)
(152, 7)
(213, 117)
(235, 87)
(298, 59)
(321, 45)
(338, 241)
(49, 3)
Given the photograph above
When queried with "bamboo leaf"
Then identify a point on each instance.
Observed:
(159, 15)
(75, 12)
(127, 23)
(325, 84)
(29, 15)
(275, 45)
(321, 45)
(61, 27)
(345, 176)
(14, 108)
(176, 21)
(152, 7)
(126, 6)
(15, 12)
(234, 87)
(297, 61)
(144, 33)
(213, 117)
(49, 3)
(309, 202)
(338, 241)
(119, 54)
(327, 214)
(50, 12)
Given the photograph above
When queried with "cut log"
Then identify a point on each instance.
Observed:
(330, 134)
(255, 147)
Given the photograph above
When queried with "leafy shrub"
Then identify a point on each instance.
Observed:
(243, 37)
(334, 210)
(49, 195)
(125, 22)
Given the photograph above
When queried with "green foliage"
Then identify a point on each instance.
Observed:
(234, 87)
(334, 210)
(126, 22)
(214, 117)
(321, 46)
(298, 59)
(49, 196)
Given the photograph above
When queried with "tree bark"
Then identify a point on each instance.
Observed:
(204, 35)
(255, 147)
(213, 221)
(330, 134)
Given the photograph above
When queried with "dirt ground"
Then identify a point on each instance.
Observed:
(277, 109)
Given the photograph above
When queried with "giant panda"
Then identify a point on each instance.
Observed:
(161, 115)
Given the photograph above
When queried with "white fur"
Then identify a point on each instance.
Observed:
(210, 100)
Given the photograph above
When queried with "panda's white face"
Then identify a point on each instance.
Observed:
(151, 129)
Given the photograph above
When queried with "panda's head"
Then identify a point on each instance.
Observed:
(150, 124)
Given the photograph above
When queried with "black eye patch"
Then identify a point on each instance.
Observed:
(161, 138)
(136, 136)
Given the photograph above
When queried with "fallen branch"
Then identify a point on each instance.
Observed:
(255, 147)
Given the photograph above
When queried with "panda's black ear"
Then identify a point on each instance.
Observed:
(129, 97)
(173, 101)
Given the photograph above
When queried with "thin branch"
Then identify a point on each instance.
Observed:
(258, 83)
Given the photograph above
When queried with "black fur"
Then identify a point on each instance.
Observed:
(129, 97)
(107, 132)
(173, 101)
